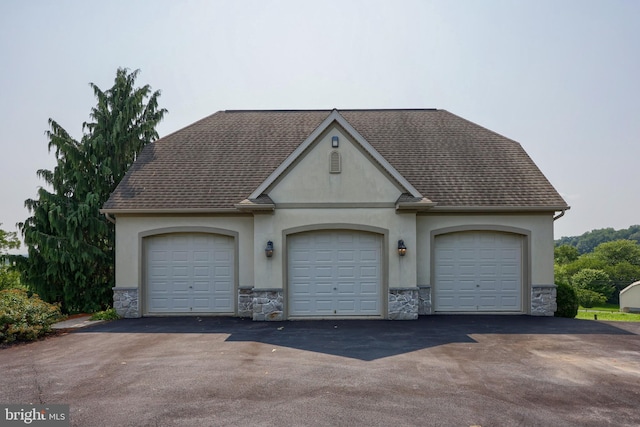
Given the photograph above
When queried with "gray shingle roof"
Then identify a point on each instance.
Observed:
(220, 160)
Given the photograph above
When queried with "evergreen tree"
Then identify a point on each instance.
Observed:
(70, 244)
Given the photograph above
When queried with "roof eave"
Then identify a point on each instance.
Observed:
(120, 211)
(468, 209)
(421, 205)
(256, 207)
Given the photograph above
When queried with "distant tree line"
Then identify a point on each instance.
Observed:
(587, 242)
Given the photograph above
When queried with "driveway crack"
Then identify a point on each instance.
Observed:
(36, 381)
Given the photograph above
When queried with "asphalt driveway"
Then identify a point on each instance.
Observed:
(437, 371)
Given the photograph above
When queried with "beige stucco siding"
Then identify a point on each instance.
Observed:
(131, 229)
(270, 272)
(538, 228)
(361, 180)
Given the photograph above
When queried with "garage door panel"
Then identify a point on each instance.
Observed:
(302, 305)
(301, 272)
(346, 306)
(322, 306)
(346, 289)
(190, 273)
(464, 285)
(370, 306)
(177, 303)
(510, 270)
(487, 253)
(159, 303)
(345, 274)
(201, 287)
(466, 270)
(369, 255)
(492, 286)
(510, 285)
(201, 303)
(202, 271)
(321, 288)
(301, 255)
(345, 256)
(324, 256)
(221, 272)
(201, 256)
(369, 272)
(323, 272)
(180, 256)
(369, 288)
(158, 271)
(180, 286)
(159, 255)
(478, 271)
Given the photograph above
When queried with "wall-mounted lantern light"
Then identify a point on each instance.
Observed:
(335, 142)
(268, 251)
(402, 249)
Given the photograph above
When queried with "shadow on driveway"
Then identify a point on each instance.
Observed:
(359, 339)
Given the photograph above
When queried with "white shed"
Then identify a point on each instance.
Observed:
(630, 298)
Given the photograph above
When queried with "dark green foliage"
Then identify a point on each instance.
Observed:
(619, 260)
(24, 317)
(564, 254)
(588, 298)
(9, 275)
(588, 241)
(70, 244)
(9, 278)
(8, 240)
(567, 301)
(618, 251)
(592, 280)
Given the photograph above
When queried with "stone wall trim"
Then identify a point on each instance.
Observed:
(543, 300)
(126, 303)
(268, 305)
(403, 303)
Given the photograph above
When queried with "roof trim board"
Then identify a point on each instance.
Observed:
(466, 209)
(168, 211)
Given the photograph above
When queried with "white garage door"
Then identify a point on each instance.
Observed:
(334, 274)
(189, 273)
(478, 271)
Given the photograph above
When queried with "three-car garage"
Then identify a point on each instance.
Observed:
(334, 274)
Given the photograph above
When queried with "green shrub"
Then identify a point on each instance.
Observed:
(109, 314)
(588, 298)
(593, 280)
(9, 278)
(24, 317)
(567, 301)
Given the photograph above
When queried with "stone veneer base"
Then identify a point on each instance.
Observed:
(268, 304)
(543, 300)
(403, 304)
(125, 302)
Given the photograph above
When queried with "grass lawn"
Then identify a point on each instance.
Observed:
(607, 312)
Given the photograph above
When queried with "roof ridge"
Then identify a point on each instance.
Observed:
(322, 110)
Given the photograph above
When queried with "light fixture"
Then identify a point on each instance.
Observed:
(335, 142)
(268, 251)
(402, 249)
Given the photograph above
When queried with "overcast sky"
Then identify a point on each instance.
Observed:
(561, 77)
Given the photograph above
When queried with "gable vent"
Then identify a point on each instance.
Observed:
(335, 162)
